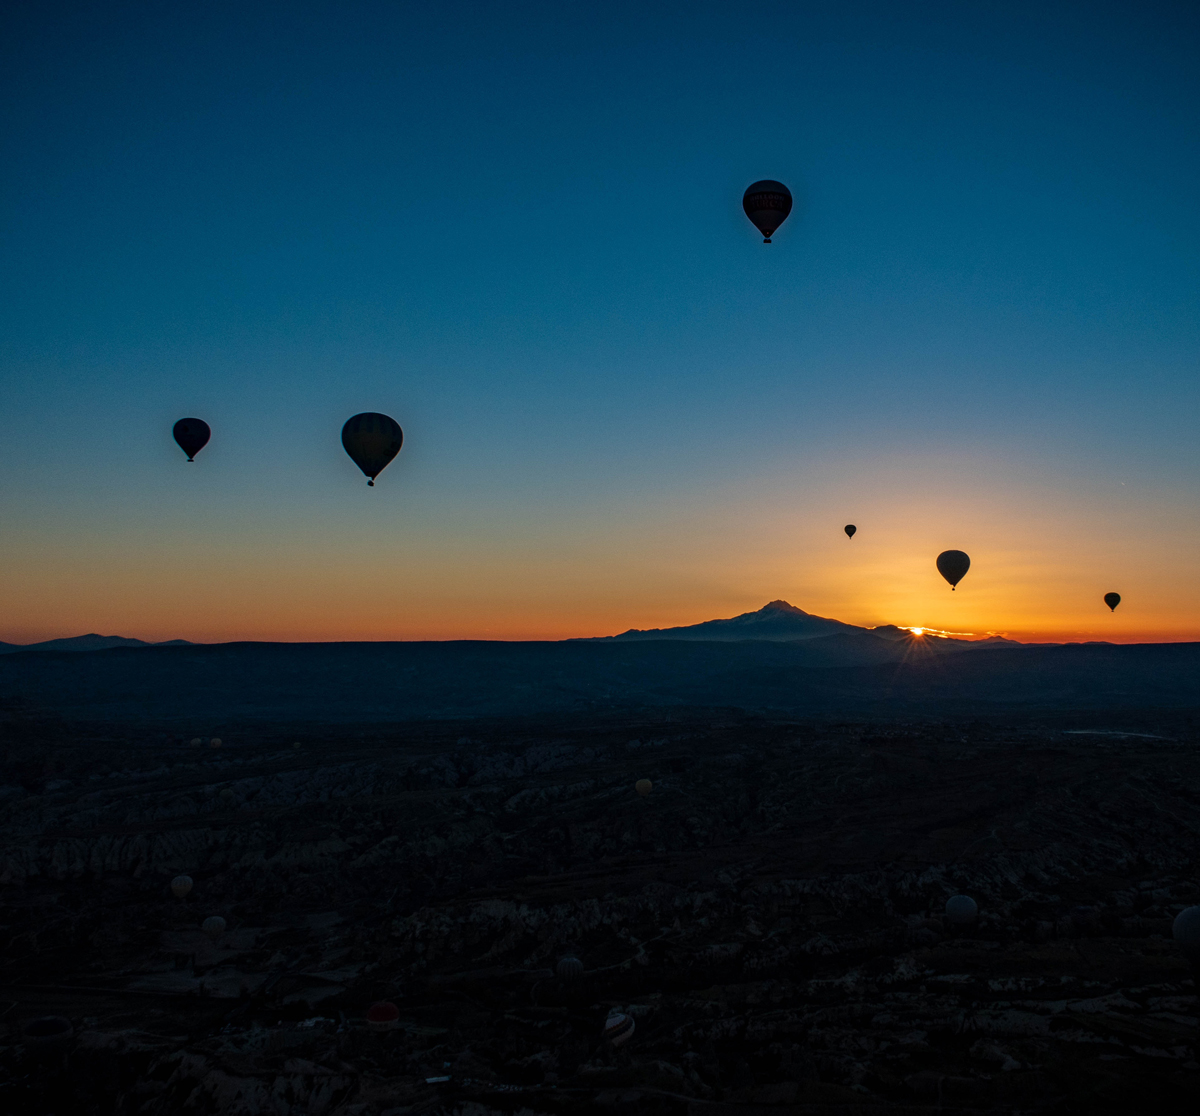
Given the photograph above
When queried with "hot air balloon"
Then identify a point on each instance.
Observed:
(372, 440)
(227, 796)
(215, 742)
(213, 926)
(192, 434)
(643, 787)
(383, 1016)
(850, 529)
(1186, 931)
(618, 1028)
(180, 886)
(569, 969)
(196, 742)
(961, 910)
(953, 566)
(767, 204)
(1112, 600)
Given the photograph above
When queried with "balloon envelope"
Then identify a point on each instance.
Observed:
(643, 787)
(569, 968)
(953, 566)
(961, 910)
(1186, 931)
(618, 1028)
(1112, 600)
(180, 886)
(213, 926)
(383, 1016)
(767, 204)
(192, 434)
(850, 529)
(372, 440)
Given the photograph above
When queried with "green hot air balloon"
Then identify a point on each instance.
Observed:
(372, 440)
(1112, 600)
(953, 566)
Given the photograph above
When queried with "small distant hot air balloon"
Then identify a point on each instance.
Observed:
(192, 434)
(372, 440)
(850, 529)
(383, 1016)
(618, 1028)
(953, 566)
(1112, 600)
(643, 787)
(213, 926)
(180, 886)
(196, 742)
(227, 796)
(569, 969)
(215, 742)
(767, 204)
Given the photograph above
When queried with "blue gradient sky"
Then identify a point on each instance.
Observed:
(517, 229)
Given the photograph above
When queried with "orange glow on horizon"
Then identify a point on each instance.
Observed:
(1040, 566)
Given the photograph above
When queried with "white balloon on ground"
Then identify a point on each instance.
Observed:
(618, 1028)
(961, 910)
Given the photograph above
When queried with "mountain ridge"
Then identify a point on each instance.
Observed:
(90, 642)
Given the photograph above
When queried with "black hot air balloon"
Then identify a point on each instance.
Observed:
(767, 204)
(850, 529)
(192, 434)
(953, 566)
(372, 440)
(1112, 600)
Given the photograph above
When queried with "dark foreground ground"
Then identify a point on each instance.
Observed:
(769, 915)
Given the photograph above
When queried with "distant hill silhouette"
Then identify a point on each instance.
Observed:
(92, 642)
(847, 674)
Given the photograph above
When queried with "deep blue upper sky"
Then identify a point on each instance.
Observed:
(517, 229)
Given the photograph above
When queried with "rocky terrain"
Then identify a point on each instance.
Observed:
(770, 915)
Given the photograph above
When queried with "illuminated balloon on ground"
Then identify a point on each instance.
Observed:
(192, 434)
(383, 1016)
(1112, 600)
(618, 1028)
(181, 886)
(213, 926)
(215, 742)
(767, 204)
(961, 910)
(643, 787)
(372, 440)
(953, 566)
(850, 529)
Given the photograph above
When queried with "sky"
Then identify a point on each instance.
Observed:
(517, 229)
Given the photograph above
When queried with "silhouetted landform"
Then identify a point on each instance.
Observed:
(847, 674)
(784, 622)
(90, 642)
(772, 916)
